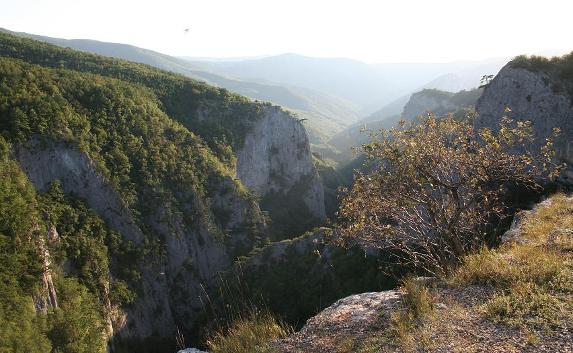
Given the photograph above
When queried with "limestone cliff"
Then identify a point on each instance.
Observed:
(46, 297)
(276, 157)
(530, 95)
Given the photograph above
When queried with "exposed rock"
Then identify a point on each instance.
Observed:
(45, 163)
(46, 297)
(441, 306)
(276, 157)
(191, 350)
(353, 317)
(422, 102)
(530, 96)
(514, 232)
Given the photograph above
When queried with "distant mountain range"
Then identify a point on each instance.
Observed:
(330, 94)
(368, 87)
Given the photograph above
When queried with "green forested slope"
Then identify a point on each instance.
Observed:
(120, 126)
(123, 116)
(85, 241)
(179, 97)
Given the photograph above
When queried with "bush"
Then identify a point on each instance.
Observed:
(437, 187)
(77, 326)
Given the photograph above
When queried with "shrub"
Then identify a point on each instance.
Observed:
(437, 187)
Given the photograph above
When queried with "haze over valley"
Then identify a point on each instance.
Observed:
(286, 177)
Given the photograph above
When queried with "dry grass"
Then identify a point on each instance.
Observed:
(251, 334)
(417, 306)
(533, 278)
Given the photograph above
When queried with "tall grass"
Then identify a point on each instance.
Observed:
(237, 321)
(250, 334)
(417, 305)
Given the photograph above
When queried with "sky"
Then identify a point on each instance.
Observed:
(370, 31)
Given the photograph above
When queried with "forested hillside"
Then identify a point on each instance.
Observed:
(325, 114)
(120, 200)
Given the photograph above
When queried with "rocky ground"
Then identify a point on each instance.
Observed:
(362, 323)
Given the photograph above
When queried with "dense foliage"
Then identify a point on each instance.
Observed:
(77, 325)
(218, 119)
(184, 99)
(89, 246)
(20, 267)
(145, 155)
(438, 185)
(120, 115)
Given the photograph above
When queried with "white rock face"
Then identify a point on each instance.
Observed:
(76, 172)
(358, 309)
(46, 297)
(276, 156)
(530, 96)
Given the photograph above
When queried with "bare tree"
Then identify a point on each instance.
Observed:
(436, 184)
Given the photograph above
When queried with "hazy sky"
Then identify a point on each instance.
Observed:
(372, 31)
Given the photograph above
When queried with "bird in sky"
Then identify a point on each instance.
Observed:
(187, 30)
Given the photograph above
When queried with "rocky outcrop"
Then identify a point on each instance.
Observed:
(529, 96)
(514, 233)
(425, 101)
(352, 318)
(45, 163)
(191, 350)
(46, 297)
(438, 102)
(276, 157)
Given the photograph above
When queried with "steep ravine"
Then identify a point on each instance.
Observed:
(172, 286)
(154, 310)
(163, 161)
